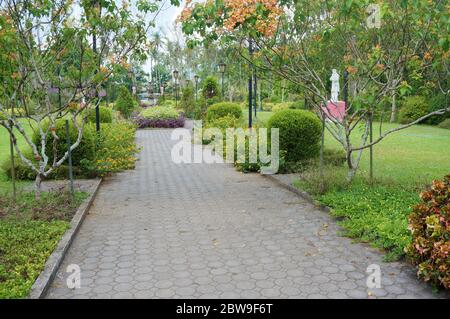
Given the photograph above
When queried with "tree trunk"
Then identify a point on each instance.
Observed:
(394, 108)
(37, 186)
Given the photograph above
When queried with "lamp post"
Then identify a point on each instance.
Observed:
(175, 77)
(250, 86)
(222, 67)
(196, 78)
(97, 6)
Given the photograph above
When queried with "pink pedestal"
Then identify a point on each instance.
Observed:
(335, 110)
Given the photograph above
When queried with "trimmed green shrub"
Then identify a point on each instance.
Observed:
(160, 113)
(413, 108)
(125, 102)
(210, 88)
(445, 124)
(85, 150)
(300, 133)
(223, 109)
(105, 115)
(188, 100)
(429, 224)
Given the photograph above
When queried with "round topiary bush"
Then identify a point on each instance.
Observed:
(300, 133)
(105, 115)
(125, 102)
(413, 108)
(85, 150)
(429, 224)
(223, 109)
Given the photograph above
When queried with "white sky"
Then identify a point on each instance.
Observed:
(165, 23)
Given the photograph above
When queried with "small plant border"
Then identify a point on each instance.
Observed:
(54, 261)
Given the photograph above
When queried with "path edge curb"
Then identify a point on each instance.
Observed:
(306, 196)
(43, 281)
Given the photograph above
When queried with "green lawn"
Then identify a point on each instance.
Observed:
(5, 184)
(415, 155)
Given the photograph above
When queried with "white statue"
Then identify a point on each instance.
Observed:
(335, 87)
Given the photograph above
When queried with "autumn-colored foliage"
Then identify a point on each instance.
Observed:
(430, 227)
(259, 15)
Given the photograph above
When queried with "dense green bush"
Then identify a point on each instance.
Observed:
(224, 122)
(160, 113)
(223, 109)
(300, 133)
(85, 150)
(188, 100)
(413, 108)
(116, 150)
(281, 106)
(24, 172)
(105, 115)
(429, 225)
(210, 88)
(297, 105)
(274, 99)
(125, 102)
(445, 124)
(437, 102)
(6, 113)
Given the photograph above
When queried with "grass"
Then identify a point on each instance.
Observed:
(414, 156)
(261, 117)
(29, 232)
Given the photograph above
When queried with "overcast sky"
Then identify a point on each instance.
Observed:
(165, 22)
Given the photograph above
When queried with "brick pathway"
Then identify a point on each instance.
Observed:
(206, 231)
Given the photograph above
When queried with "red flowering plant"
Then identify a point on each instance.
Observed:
(429, 224)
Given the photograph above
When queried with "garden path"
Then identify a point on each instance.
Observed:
(207, 231)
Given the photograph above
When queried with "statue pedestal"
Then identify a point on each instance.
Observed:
(334, 111)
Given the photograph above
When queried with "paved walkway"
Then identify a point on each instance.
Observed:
(206, 231)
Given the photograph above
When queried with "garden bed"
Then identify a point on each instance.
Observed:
(30, 230)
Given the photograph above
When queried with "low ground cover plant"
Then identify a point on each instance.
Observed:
(29, 232)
